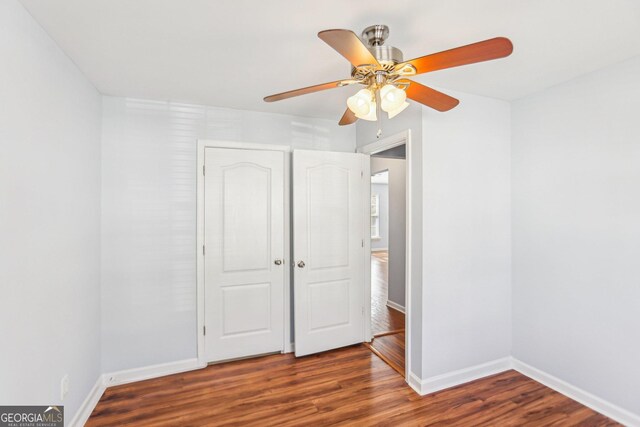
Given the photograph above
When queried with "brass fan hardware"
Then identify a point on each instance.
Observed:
(382, 71)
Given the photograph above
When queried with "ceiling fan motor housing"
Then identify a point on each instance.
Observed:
(388, 56)
(375, 36)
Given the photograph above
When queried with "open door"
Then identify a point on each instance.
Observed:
(329, 194)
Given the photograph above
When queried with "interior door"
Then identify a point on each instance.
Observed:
(328, 247)
(244, 248)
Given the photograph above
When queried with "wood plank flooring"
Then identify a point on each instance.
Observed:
(391, 349)
(383, 318)
(349, 386)
(387, 324)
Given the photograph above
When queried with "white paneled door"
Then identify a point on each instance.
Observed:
(329, 192)
(244, 270)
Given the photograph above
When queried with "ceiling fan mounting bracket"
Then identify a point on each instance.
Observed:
(375, 35)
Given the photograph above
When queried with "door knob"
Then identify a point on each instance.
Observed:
(277, 262)
(301, 264)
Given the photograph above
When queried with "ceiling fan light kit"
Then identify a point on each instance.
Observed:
(384, 74)
(363, 104)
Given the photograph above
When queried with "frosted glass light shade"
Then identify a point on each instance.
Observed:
(372, 117)
(360, 103)
(363, 105)
(391, 98)
(398, 110)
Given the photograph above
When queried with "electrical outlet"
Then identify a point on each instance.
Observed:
(64, 386)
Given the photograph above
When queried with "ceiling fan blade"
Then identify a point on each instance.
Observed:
(308, 89)
(348, 118)
(487, 50)
(429, 97)
(347, 44)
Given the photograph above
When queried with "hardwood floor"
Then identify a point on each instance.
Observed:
(349, 386)
(387, 324)
(383, 318)
(391, 349)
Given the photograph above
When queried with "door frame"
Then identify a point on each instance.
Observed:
(383, 144)
(202, 145)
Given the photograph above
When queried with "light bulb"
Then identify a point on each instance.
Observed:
(391, 98)
(360, 103)
(398, 110)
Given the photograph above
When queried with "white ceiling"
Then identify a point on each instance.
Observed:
(232, 53)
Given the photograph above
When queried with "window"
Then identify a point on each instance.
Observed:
(375, 217)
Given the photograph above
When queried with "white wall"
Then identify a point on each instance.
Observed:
(382, 242)
(149, 216)
(466, 225)
(576, 232)
(49, 219)
(397, 213)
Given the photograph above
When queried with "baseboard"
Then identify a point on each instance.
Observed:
(90, 402)
(422, 387)
(461, 376)
(451, 379)
(415, 383)
(395, 306)
(587, 399)
(153, 371)
(125, 377)
(289, 348)
(380, 250)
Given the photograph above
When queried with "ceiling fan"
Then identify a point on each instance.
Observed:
(384, 73)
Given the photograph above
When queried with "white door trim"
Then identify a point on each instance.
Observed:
(395, 140)
(200, 309)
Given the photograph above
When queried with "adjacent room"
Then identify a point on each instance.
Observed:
(388, 260)
(292, 213)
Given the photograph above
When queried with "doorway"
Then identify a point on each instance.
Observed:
(390, 249)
